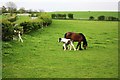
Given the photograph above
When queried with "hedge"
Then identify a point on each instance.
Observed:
(8, 26)
(107, 18)
(62, 16)
(30, 26)
(7, 30)
(12, 18)
(46, 19)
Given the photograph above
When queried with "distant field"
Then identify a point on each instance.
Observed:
(41, 56)
(88, 14)
(83, 14)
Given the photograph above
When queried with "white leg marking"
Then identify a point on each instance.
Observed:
(64, 45)
(72, 45)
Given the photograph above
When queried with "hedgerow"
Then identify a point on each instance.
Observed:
(31, 25)
(9, 25)
(7, 30)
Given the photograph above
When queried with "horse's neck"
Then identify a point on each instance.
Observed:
(84, 41)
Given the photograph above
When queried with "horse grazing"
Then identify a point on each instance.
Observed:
(77, 37)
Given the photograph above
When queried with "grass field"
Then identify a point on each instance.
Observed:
(87, 14)
(41, 56)
(83, 14)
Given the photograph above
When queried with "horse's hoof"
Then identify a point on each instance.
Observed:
(81, 49)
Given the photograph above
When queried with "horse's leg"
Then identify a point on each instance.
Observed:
(80, 46)
(64, 46)
(72, 46)
(77, 45)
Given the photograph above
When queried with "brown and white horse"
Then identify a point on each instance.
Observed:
(77, 37)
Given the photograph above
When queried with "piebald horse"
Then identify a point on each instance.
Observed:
(66, 42)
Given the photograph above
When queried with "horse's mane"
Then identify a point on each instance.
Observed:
(68, 33)
(65, 35)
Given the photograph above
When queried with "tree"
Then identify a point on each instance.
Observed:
(70, 16)
(11, 7)
(91, 18)
(30, 11)
(4, 9)
(53, 16)
(101, 18)
(64, 16)
(22, 10)
(111, 18)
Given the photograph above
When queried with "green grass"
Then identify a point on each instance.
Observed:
(21, 19)
(87, 14)
(41, 56)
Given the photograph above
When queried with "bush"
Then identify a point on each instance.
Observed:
(53, 16)
(111, 18)
(108, 18)
(70, 16)
(30, 25)
(101, 18)
(91, 18)
(7, 30)
(46, 19)
(12, 19)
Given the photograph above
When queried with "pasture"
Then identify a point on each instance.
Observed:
(87, 14)
(41, 56)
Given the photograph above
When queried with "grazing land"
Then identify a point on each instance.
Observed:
(84, 14)
(41, 56)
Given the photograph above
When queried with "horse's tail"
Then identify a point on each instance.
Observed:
(84, 38)
(65, 35)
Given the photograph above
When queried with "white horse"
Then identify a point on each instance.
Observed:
(67, 42)
(19, 36)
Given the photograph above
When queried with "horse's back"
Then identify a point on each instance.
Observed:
(73, 36)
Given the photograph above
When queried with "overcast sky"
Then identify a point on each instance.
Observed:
(66, 5)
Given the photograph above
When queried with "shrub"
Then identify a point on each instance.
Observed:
(111, 18)
(53, 16)
(91, 18)
(13, 18)
(31, 25)
(58, 16)
(46, 19)
(7, 30)
(70, 16)
(101, 18)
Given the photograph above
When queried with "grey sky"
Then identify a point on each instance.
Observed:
(66, 5)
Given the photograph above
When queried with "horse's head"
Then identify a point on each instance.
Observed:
(59, 40)
(85, 44)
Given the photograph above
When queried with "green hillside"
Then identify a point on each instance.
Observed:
(41, 56)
